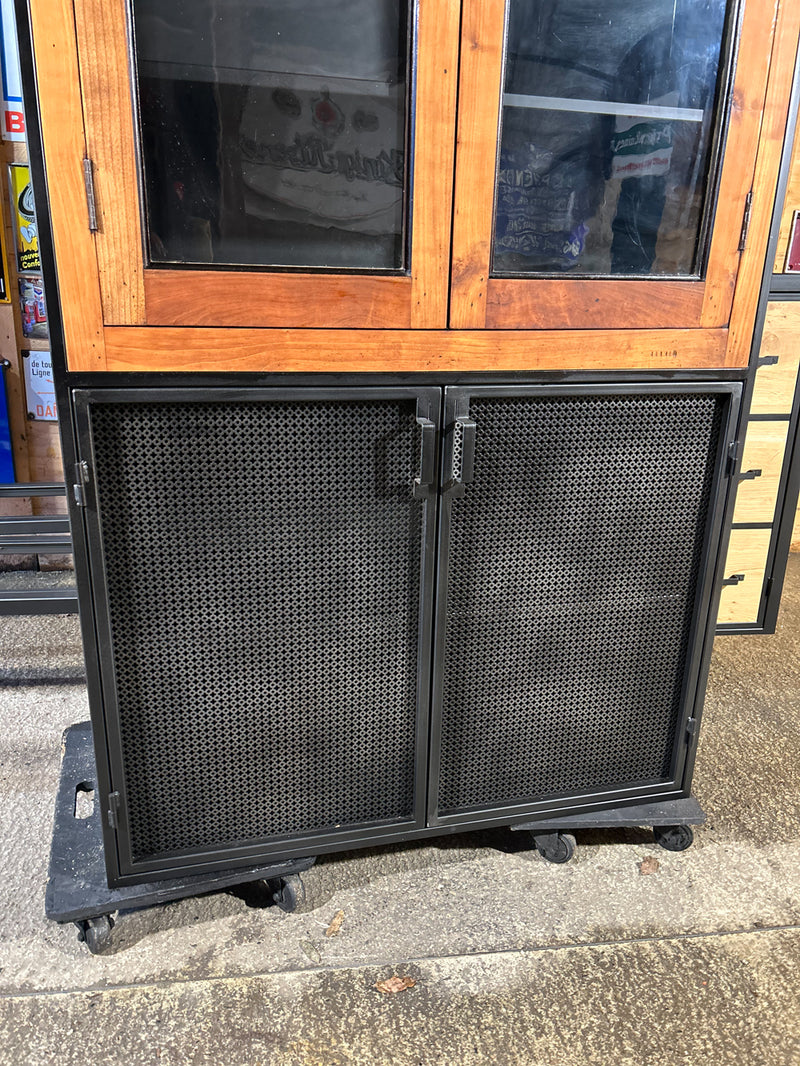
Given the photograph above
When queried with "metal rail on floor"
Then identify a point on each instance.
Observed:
(39, 535)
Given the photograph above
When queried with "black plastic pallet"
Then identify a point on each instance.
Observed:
(77, 887)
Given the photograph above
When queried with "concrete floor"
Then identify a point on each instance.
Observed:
(515, 960)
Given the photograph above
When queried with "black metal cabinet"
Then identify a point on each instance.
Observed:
(266, 570)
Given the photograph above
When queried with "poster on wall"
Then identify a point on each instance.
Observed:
(24, 215)
(32, 308)
(5, 292)
(12, 127)
(40, 391)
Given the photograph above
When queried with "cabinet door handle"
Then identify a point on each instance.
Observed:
(462, 461)
(427, 458)
(464, 455)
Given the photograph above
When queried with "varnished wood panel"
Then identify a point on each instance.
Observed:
(764, 450)
(103, 47)
(478, 128)
(224, 350)
(747, 554)
(742, 143)
(62, 133)
(770, 148)
(585, 304)
(434, 149)
(133, 294)
(773, 392)
(313, 301)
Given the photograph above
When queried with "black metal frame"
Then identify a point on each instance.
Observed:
(124, 871)
(36, 534)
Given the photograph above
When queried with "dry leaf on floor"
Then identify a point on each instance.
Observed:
(336, 925)
(649, 865)
(395, 984)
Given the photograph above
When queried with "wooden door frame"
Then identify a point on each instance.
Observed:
(95, 119)
(481, 301)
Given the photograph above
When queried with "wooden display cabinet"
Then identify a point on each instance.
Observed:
(422, 342)
(123, 312)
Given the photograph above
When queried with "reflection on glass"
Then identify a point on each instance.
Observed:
(274, 131)
(607, 128)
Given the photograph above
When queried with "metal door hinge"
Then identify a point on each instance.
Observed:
(691, 726)
(113, 810)
(748, 204)
(734, 449)
(734, 455)
(81, 480)
(91, 202)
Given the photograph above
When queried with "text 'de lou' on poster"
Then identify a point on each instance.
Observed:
(40, 391)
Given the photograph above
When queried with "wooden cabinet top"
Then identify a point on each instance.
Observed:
(487, 274)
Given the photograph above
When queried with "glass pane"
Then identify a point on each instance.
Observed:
(274, 131)
(608, 125)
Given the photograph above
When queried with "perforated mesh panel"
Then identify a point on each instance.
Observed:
(263, 572)
(573, 570)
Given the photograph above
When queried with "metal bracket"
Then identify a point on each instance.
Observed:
(766, 360)
(734, 579)
(733, 457)
(691, 726)
(734, 448)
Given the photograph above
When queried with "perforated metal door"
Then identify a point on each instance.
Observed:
(261, 563)
(572, 563)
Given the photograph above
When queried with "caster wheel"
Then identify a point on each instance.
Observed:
(95, 933)
(673, 837)
(287, 892)
(555, 847)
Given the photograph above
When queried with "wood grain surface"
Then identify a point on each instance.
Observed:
(747, 554)
(61, 121)
(284, 350)
(102, 35)
(774, 388)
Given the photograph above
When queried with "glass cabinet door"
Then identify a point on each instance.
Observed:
(272, 134)
(253, 162)
(603, 196)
